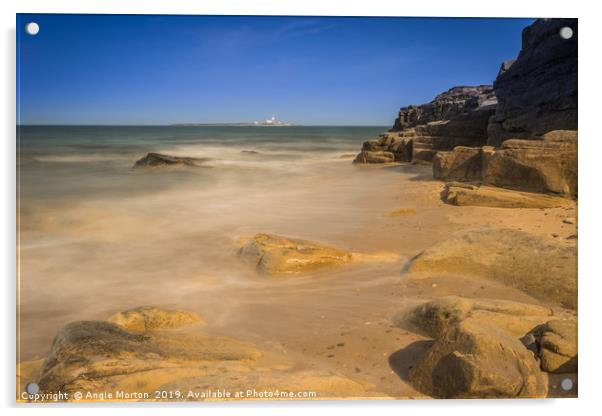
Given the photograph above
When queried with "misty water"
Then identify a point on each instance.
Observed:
(97, 236)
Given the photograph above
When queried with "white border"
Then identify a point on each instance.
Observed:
(590, 158)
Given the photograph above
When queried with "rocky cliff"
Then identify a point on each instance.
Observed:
(537, 92)
(519, 134)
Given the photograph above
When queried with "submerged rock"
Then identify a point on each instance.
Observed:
(146, 318)
(489, 196)
(536, 265)
(477, 359)
(157, 159)
(277, 256)
(274, 255)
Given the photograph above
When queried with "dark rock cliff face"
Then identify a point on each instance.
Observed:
(537, 93)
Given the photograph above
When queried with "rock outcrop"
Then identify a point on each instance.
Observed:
(462, 194)
(537, 93)
(146, 318)
(476, 352)
(387, 148)
(548, 165)
(536, 265)
(458, 117)
(153, 160)
(545, 165)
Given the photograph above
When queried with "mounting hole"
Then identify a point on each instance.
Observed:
(32, 388)
(566, 384)
(566, 32)
(32, 28)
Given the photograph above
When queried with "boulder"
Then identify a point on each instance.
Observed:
(462, 194)
(539, 266)
(92, 353)
(556, 345)
(436, 317)
(477, 359)
(548, 165)
(537, 93)
(156, 160)
(146, 318)
(275, 255)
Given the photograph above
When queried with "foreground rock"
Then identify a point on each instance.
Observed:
(538, 266)
(462, 194)
(476, 359)
(275, 255)
(89, 354)
(157, 160)
(555, 343)
(477, 352)
(537, 93)
(100, 358)
(146, 318)
(435, 317)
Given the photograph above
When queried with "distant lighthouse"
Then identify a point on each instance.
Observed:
(272, 122)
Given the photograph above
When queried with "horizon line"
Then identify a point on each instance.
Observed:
(193, 125)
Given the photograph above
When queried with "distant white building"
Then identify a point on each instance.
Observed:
(272, 122)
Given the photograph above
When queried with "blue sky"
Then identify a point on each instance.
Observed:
(111, 69)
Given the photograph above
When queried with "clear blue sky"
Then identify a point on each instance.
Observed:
(106, 69)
